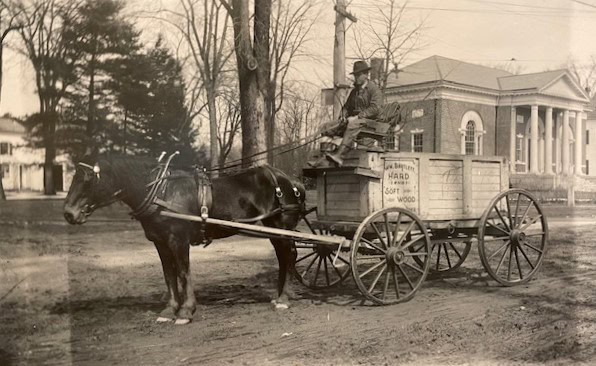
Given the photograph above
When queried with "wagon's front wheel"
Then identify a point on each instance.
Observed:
(390, 256)
(318, 266)
(512, 237)
(449, 255)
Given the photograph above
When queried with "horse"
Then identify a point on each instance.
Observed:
(261, 193)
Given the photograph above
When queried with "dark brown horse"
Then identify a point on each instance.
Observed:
(250, 194)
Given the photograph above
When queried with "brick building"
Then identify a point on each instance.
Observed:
(537, 120)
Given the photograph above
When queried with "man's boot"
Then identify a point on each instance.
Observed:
(337, 158)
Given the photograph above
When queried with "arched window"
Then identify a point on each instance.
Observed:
(470, 138)
(471, 130)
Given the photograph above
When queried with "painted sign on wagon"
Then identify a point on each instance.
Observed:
(400, 184)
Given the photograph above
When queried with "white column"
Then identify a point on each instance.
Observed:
(463, 142)
(512, 140)
(541, 155)
(534, 140)
(578, 142)
(558, 143)
(565, 143)
(548, 141)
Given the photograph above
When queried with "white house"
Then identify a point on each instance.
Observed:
(22, 166)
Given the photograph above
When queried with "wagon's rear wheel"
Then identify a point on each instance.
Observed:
(385, 251)
(315, 267)
(449, 255)
(512, 237)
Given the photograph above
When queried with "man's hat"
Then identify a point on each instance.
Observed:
(360, 66)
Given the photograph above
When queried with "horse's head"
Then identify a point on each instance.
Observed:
(93, 186)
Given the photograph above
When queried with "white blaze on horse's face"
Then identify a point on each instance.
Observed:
(78, 200)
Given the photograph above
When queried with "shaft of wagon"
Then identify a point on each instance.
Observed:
(295, 235)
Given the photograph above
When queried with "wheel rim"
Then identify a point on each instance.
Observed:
(449, 256)
(512, 237)
(315, 267)
(390, 256)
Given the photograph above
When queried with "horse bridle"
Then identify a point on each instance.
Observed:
(116, 196)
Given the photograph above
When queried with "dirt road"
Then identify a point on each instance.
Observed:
(91, 294)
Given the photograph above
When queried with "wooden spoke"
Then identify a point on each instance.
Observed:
(379, 234)
(341, 259)
(514, 224)
(509, 264)
(501, 216)
(306, 256)
(387, 231)
(403, 273)
(405, 234)
(532, 222)
(408, 244)
(501, 248)
(439, 256)
(508, 214)
(414, 268)
(526, 256)
(416, 254)
(500, 238)
(396, 233)
(314, 281)
(455, 250)
(386, 285)
(309, 265)
(521, 221)
(377, 278)
(326, 271)
(372, 268)
(498, 228)
(531, 246)
(521, 275)
(447, 254)
(501, 261)
(373, 245)
(395, 282)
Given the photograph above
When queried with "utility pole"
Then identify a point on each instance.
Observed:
(339, 57)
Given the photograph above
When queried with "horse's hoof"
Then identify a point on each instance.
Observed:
(162, 319)
(182, 321)
(279, 305)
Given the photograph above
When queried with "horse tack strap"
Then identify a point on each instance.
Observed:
(279, 194)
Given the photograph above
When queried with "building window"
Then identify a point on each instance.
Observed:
(518, 147)
(417, 142)
(470, 138)
(587, 137)
(5, 171)
(5, 148)
(417, 113)
(519, 118)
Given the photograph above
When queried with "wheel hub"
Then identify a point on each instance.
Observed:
(396, 256)
(518, 237)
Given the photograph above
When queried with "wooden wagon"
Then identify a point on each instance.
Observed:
(406, 214)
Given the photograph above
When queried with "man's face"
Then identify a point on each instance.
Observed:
(360, 78)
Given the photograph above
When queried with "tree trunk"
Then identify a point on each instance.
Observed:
(91, 110)
(50, 155)
(2, 194)
(270, 118)
(214, 144)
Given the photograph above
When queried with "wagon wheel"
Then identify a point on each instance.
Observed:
(315, 267)
(512, 237)
(385, 251)
(448, 256)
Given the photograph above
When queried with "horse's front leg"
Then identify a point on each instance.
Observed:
(168, 264)
(181, 252)
(286, 256)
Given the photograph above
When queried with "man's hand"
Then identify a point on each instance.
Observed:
(352, 118)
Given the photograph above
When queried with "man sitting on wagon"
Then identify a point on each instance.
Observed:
(360, 110)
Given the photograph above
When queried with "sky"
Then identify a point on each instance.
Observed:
(537, 35)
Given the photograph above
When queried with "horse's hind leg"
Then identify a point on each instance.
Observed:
(169, 271)
(181, 252)
(286, 256)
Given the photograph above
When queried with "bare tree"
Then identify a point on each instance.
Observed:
(53, 60)
(585, 74)
(387, 36)
(8, 22)
(229, 122)
(290, 26)
(203, 25)
(252, 58)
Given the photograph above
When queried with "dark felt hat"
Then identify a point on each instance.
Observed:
(360, 66)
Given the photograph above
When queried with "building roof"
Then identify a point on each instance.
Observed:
(11, 125)
(438, 68)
